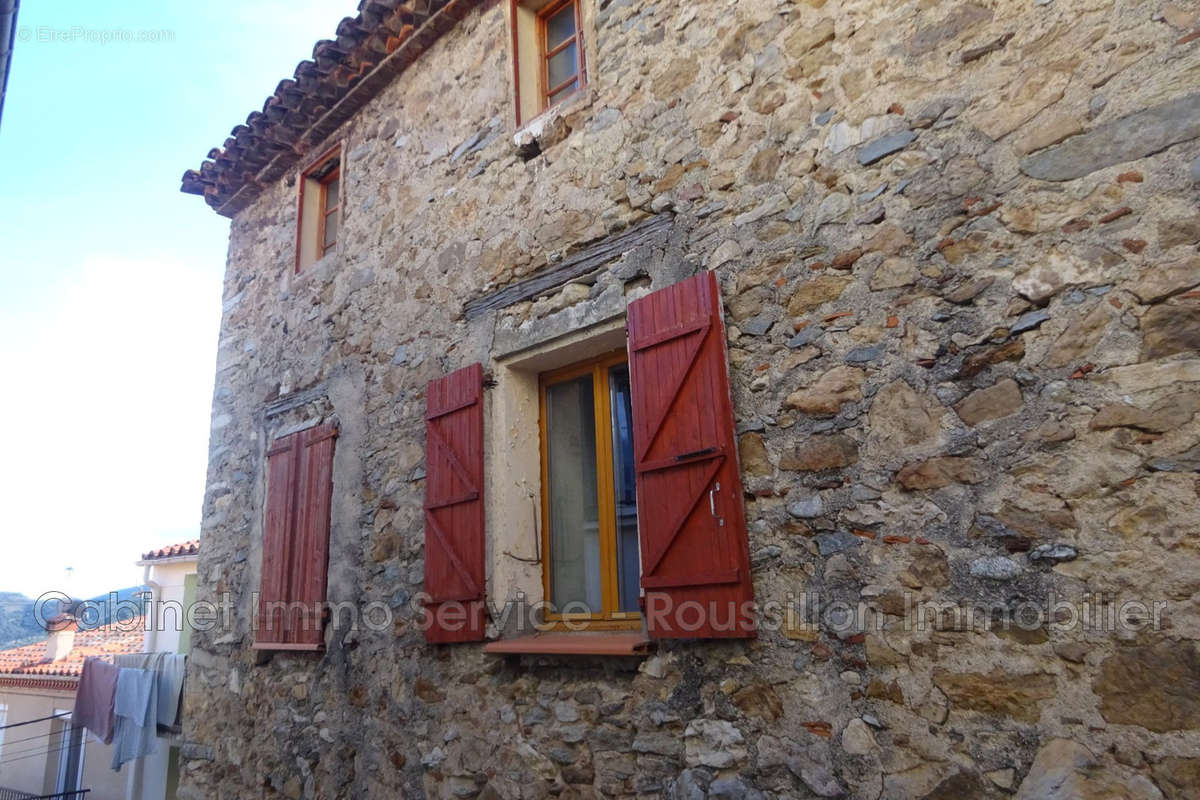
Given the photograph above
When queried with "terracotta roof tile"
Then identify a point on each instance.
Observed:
(370, 50)
(189, 548)
(103, 642)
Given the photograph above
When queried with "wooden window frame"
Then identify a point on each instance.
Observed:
(305, 176)
(609, 618)
(324, 211)
(546, 53)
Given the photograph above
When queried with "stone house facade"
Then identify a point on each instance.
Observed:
(946, 255)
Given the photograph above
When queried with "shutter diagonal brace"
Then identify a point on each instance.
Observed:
(461, 471)
(439, 536)
(703, 327)
(681, 519)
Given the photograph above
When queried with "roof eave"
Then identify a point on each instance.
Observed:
(281, 146)
(153, 562)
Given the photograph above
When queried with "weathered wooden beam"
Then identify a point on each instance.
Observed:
(574, 266)
(294, 400)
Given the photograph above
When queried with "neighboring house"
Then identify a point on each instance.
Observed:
(39, 680)
(170, 575)
(682, 317)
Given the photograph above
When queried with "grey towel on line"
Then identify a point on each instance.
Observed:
(169, 668)
(136, 707)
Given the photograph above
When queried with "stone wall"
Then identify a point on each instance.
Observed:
(958, 250)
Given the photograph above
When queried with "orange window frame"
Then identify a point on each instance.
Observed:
(325, 211)
(547, 53)
(609, 618)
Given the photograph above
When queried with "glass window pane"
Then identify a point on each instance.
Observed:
(331, 229)
(629, 567)
(331, 193)
(560, 26)
(564, 93)
(575, 578)
(560, 66)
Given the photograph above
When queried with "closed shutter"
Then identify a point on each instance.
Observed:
(695, 554)
(310, 560)
(454, 543)
(296, 540)
(278, 524)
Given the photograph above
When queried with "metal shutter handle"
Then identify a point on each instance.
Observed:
(712, 504)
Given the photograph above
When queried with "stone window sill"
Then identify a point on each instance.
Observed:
(550, 127)
(607, 643)
(318, 270)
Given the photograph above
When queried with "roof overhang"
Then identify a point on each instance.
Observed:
(59, 683)
(370, 50)
(155, 562)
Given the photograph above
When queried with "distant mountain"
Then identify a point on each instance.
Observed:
(17, 625)
(128, 602)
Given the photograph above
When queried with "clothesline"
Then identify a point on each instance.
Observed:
(51, 732)
(40, 752)
(31, 721)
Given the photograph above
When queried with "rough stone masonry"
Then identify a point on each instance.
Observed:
(959, 251)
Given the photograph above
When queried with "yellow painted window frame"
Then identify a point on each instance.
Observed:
(609, 618)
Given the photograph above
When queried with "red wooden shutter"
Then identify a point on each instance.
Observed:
(296, 540)
(279, 521)
(454, 544)
(310, 556)
(695, 554)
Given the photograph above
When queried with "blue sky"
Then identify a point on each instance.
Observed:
(110, 278)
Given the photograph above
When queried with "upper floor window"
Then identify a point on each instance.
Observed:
(320, 209)
(329, 211)
(549, 59)
(561, 51)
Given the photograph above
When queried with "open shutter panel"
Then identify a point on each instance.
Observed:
(282, 472)
(695, 555)
(310, 556)
(454, 543)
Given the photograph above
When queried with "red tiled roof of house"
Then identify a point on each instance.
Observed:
(189, 548)
(103, 642)
(370, 50)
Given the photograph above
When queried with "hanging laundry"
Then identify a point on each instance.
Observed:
(136, 708)
(168, 669)
(95, 698)
(170, 689)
